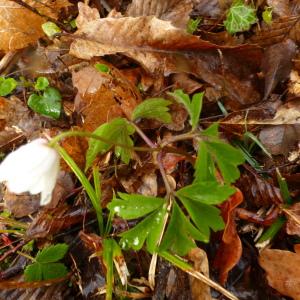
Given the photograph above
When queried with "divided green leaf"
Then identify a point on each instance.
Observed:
(117, 131)
(180, 234)
(240, 17)
(154, 108)
(204, 216)
(193, 106)
(148, 230)
(7, 85)
(48, 104)
(133, 206)
(210, 192)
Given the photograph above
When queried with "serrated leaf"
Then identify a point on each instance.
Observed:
(52, 253)
(180, 234)
(205, 217)
(240, 17)
(118, 131)
(193, 107)
(148, 230)
(154, 108)
(48, 104)
(7, 85)
(227, 158)
(210, 192)
(41, 83)
(33, 272)
(53, 271)
(133, 206)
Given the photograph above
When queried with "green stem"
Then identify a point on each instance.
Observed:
(27, 256)
(85, 183)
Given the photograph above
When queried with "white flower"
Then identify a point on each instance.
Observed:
(31, 168)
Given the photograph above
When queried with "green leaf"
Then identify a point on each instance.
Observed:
(52, 253)
(205, 217)
(204, 167)
(134, 205)
(210, 192)
(193, 24)
(117, 131)
(240, 17)
(53, 271)
(154, 108)
(73, 24)
(7, 85)
(33, 272)
(227, 158)
(148, 230)
(50, 29)
(180, 234)
(193, 107)
(102, 68)
(41, 83)
(211, 131)
(267, 15)
(48, 104)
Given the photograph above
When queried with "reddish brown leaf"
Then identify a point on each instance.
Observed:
(103, 96)
(283, 272)
(230, 250)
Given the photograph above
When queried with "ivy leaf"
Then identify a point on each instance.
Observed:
(52, 253)
(227, 158)
(180, 234)
(193, 106)
(148, 230)
(210, 192)
(134, 206)
(41, 83)
(240, 17)
(117, 131)
(7, 85)
(205, 217)
(154, 108)
(48, 104)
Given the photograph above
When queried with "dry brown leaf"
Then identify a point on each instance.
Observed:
(199, 290)
(16, 30)
(283, 272)
(103, 96)
(293, 215)
(176, 11)
(230, 250)
(280, 29)
(211, 8)
(49, 8)
(294, 85)
(280, 7)
(277, 64)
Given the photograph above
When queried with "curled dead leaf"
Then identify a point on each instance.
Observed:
(293, 215)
